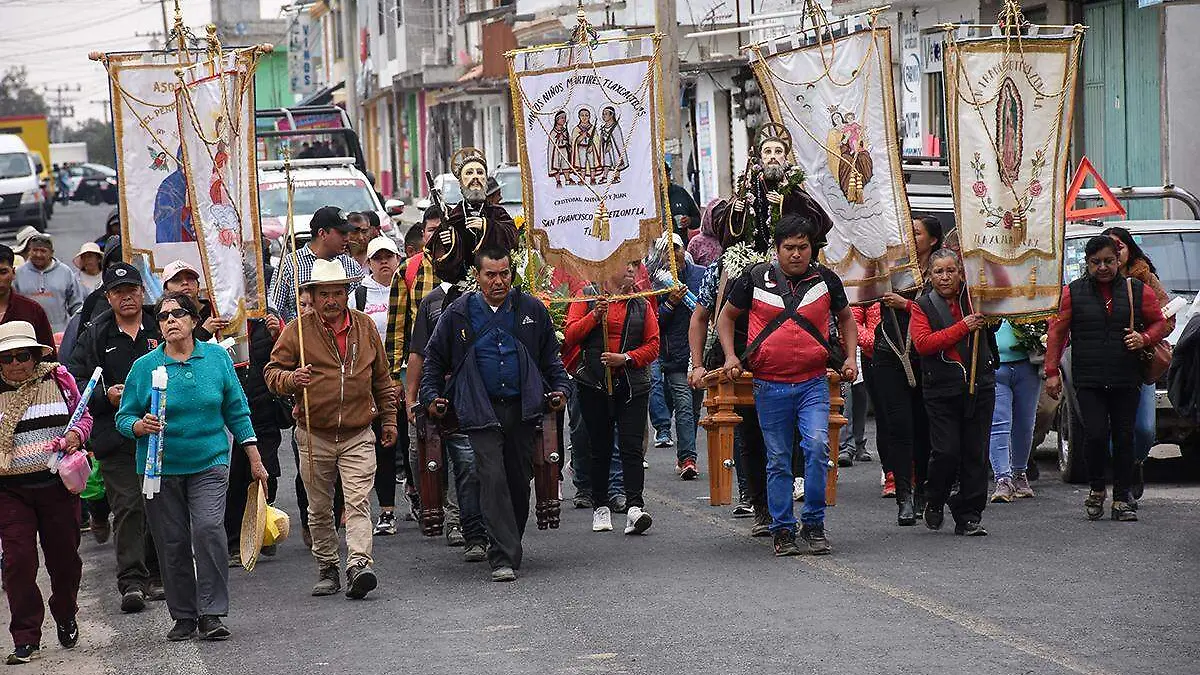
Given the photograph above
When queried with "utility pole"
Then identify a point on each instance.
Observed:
(107, 108)
(349, 46)
(60, 110)
(666, 23)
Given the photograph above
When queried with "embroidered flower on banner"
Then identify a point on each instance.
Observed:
(980, 188)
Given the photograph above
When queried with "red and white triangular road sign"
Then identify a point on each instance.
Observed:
(1111, 206)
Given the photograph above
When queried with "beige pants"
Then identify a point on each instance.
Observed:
(353, 458)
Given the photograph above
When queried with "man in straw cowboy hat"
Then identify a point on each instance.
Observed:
(340, 366)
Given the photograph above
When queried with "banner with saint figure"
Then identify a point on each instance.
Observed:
(831, 86)
(1009, 105)
(590, 152)
(215, 107)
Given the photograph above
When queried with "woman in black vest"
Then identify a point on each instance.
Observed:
(949, 336)
(895, 377)
(631, 329)
(1096, 312)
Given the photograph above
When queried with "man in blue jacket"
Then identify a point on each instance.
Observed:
(674, 317)
(495, 358)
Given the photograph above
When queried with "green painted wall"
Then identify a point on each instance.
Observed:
(272, 88)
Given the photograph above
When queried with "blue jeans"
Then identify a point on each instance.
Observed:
(784, 409)
(581, 454)
(1018, 386)
(660, 413)
(686, 405)
(1144, 425)
(462, 461)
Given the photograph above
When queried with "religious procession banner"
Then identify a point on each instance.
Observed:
(1009, 104)
(167, 160)
(835, 96)
(215, 109)
(589, 143)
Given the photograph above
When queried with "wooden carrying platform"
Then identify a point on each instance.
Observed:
(722, 398)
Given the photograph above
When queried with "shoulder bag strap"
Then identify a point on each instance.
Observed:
(791, 305)
(1129, 292)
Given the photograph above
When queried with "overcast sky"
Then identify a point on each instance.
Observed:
(52, 39)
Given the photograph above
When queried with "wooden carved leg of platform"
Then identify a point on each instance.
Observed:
(720, 426)
(836, 421)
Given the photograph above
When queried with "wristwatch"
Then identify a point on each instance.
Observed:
(628, 359)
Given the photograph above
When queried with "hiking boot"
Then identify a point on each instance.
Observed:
(687, 470)
(583, 500)
(1021, 488)
(386, 526)
(743, 508)
(845, 459)
(971, 528)
(504, 574)
(815, 536)
(785, 544)
(68, 633)
(360, 580)
(184, 629)
(906, 514)
(863, 455)
(889, 485)
(475, 552)
(133, 601)
(1094, 504)
(212, 629)
(617, 504)
(762, 523)
(329, 581)
(23, 654)
(637, 521)
(454, 537)
(1004, 492)
(101, 530)
(602, 520)
(1123, 512)
(934, 516)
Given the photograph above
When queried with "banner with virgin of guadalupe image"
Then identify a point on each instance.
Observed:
(590, 151)
(215, 107)
(1009, 104)
(834, 95)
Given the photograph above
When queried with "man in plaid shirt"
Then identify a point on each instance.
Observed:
(330, 234)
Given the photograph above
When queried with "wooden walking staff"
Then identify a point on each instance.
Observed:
(974, 341)
(291, 227)
(608, 382)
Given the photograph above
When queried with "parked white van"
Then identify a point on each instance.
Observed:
(21, 199)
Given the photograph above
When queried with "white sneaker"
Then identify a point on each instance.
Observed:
(798, 489)
(602, 520)
(637, 521)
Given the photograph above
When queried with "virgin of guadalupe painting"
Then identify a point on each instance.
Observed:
(1008, 129)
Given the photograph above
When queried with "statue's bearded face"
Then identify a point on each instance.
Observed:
(773, 156)
(474, 182)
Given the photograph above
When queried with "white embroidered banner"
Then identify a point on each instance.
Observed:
(216, 123)
(1009, 104)
(835, 97)
(166, 178)
(588, 136)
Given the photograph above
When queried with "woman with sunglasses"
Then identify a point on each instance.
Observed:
(36, 402)
(204, 398)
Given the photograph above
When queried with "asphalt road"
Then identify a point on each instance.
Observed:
(71, 226)
(1048, 592)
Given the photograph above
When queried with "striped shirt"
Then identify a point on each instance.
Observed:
(283, 290)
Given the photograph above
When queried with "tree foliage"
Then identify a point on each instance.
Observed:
(17, 97)
(99, 138)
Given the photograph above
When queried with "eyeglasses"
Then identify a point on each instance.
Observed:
(178, 313)
(22, 356)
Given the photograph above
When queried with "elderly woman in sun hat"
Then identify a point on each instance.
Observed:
(87, 266)
(187, 516)
(36, 402)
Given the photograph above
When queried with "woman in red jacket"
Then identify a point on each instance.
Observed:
(948, 335)
(623, 359)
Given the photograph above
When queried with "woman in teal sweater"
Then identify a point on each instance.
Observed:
(187, 516)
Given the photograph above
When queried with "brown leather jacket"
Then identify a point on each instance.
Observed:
(344, 397)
